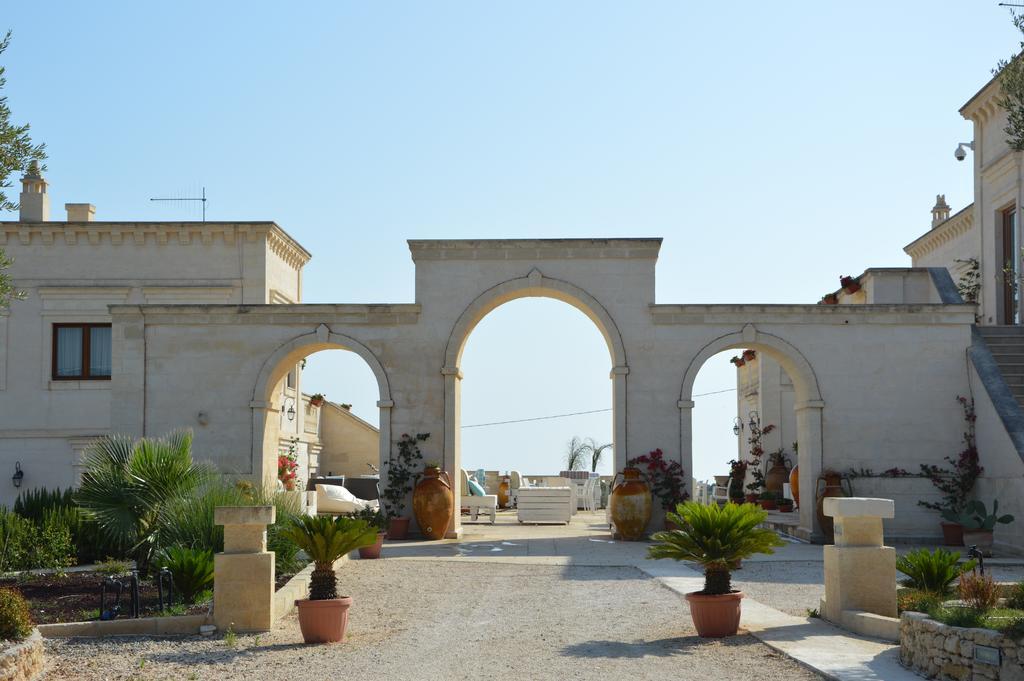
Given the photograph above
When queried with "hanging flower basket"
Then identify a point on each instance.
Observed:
(749, 355)
(738, 361)
(830, 299)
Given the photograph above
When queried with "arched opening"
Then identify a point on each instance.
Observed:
(535, 341)
(776, 408)
(324, 400)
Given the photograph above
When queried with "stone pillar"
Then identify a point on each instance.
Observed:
(686, 441)
(452, 455)
(243, 586)
(618, 375)
(860, 573)
(809, 431)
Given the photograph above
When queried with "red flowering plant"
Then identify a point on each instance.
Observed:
(287, 467)
(956, 484)
(737, 473)
(756, 453)
(668, 479)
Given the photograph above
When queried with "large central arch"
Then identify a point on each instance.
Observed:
(809, 407)
(534, 285)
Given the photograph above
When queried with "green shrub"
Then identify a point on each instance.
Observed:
(930, 571)
(979, 592)
(34, 503)
(1015, 599)
(917, 601)
(189, 521)
(956, 616)
(53, 546)
(113, 568)
(16, 536)
(15, 619)
(191, 570)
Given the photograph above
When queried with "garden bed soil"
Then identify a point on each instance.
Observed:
(75, 597)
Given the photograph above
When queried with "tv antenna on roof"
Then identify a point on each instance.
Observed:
(188, 198)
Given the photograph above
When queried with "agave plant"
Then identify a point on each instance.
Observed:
(129, 486)
(715, 537)
(191, 570)
(932, 572)
(325, 540)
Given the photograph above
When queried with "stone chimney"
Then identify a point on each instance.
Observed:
(940, 212)
(80, 212)
(35, 202)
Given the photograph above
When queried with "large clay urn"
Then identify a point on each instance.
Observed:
(776, 477)
(794, 484)
(503, 491)
(433, 502)
(830, 484)
(630, 504)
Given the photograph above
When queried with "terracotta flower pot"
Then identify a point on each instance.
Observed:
(768, 504)
(785, 508)
(750, 498)
(630, 505)
(433, 502)
(952, 534)
(370, 552)
(715, 616)
(398, 528)
(323, 621)
(980, 538)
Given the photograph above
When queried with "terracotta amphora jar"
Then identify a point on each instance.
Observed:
(830, 484)
(630, 504)
(794, 484)
(776, 477)
(503, 492)
(433, 502)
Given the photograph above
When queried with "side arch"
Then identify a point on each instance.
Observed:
(805, 383)
(809, 410)
(280, 362)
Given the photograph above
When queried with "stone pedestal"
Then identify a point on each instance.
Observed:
(860, 573)
(243, 586)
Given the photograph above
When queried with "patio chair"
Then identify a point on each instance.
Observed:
(488, 503)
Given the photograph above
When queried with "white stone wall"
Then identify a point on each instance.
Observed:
(871, 382)
(72, 272)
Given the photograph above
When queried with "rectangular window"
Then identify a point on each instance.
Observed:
(81, 352)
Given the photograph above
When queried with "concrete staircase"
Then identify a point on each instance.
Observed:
(1007, 346)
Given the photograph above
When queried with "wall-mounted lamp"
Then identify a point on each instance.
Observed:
(755, 420)
(291, 412)
(737, 426)
(19, 474)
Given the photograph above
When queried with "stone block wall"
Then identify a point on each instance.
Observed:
(939, 651)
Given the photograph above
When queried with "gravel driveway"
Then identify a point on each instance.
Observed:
(501, 621)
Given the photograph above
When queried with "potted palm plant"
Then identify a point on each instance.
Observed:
(373, 517)
(715, 537)
(323, 616)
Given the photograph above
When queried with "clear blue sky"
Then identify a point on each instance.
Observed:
(775, 146)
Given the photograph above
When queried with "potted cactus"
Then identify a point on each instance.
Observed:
(323, 616)
(717, 538)
(979, 525)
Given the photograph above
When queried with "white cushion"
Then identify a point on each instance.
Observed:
(337, 499)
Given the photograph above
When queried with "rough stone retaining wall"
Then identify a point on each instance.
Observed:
(23, 661)
(936, 650)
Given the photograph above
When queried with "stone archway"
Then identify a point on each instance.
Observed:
(809, 407)
(534, 285)
(279, 363)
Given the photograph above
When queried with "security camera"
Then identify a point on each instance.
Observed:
(960, 153)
